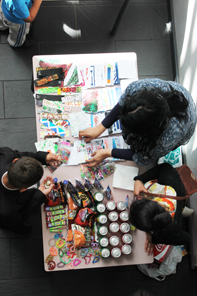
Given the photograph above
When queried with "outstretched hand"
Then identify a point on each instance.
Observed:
(148, 244)
(91, 133)
(98, 156)
(52, 159)
(139, 187)
(42, 187)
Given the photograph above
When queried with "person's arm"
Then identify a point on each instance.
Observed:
(33, 11)
(36, 198)
(154, 173)
(101, 154)
(122, 153)
(112, 116)
(91, 133)
(149, 246)
(94, 132)
(40, 155)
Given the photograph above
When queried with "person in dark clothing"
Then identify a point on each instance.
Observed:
(18, 171)
(156, 116)
(161, 225)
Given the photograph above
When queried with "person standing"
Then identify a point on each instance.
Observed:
(17, 15)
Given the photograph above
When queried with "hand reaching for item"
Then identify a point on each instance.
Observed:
(91, 133)
(52, 159)
(98, 156)
(148, 244)
(139, 187)
(42, 187)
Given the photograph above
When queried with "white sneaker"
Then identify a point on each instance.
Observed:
(187, 212)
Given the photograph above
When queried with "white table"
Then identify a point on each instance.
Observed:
(138, 255)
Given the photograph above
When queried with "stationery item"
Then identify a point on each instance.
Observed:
(49, 97)
(49, 72)
(44, 68)
(71, 78)
(54, 116)
(53, 127)
(114, 74)
(100, 99)
(78, 121)
(52, 107)
(48, 90)
(46, 80)
(123, 177)
(47, 145)
(55, 83)
(108, 74)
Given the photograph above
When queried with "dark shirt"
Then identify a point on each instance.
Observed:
(167, 175)
(27, 201)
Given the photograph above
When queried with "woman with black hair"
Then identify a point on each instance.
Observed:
(160, 218)
(157, 117)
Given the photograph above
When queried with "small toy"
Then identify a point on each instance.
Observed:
(88, 184)
(97, 184)
(108, 193)
(47, 184)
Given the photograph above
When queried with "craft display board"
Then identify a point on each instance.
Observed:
(138, 255)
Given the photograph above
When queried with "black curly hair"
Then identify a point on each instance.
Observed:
(145, 115)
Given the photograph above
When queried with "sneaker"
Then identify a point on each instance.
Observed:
(187, 212)
(29, 42)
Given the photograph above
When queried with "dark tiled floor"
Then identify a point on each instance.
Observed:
(142, 31)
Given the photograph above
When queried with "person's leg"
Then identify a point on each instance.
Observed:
(17, 34)
(2, 25)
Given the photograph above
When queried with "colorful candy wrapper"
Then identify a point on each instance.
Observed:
(108, 193)
(107, 168)
(64, 154)
(98, 174)
(87, 172)
(53, 167)
(97, 184)
(70, 186)
(79, 185)
(88, 184)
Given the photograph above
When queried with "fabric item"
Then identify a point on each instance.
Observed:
(175, 134)
(174, 158)
(16, 206)
(173, 234)
(16, 11)
(170, 204)
(17, 32)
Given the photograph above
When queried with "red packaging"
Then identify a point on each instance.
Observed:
(160, 251)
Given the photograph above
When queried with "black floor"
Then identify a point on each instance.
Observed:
(142, 31)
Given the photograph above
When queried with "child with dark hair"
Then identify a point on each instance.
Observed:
(18, 171)
(160, 218)
(157, 117)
